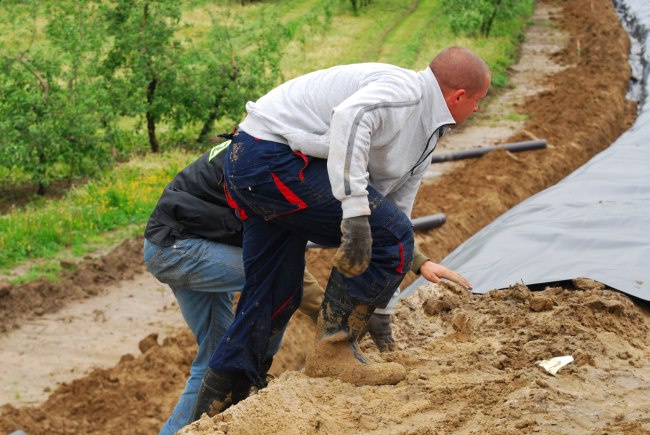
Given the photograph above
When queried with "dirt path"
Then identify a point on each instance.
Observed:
(93, 332)
(138, 392)
(505, 115)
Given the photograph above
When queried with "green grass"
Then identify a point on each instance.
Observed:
(123, 197)
(517, 117)
(350, 38)
(405, 43)
(49, 268)
(404, 33)
(115, 206)
(499, 50)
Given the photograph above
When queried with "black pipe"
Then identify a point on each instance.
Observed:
(478, 152)
(419, 224)
(427, 222)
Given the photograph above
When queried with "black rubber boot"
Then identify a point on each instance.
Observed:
(241, 389)
(337, 307)
(218, 391)
(336, 352)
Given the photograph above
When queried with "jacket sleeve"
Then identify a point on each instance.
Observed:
(379, 104)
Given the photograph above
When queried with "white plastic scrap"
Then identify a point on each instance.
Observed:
(554, 364)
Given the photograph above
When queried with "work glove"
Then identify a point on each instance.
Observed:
(353, 256)
(381, 333)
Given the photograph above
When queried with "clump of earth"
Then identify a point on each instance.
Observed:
(472, 367)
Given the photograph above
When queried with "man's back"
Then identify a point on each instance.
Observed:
(194, 205)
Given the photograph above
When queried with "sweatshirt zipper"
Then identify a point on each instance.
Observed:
(426, 155)
(420, 160)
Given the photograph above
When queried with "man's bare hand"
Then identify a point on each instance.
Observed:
(434, 272)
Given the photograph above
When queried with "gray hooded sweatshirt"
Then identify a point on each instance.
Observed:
(376, 124)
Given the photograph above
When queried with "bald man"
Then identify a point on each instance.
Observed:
(336, 157)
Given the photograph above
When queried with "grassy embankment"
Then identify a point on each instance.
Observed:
(116, 206)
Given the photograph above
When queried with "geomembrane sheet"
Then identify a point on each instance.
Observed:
(593, 224)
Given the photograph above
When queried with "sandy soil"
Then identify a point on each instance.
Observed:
(471, 359)
(471, 363)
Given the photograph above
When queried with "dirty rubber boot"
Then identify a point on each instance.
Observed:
(336, 352)
(241, 389)
(218, 391)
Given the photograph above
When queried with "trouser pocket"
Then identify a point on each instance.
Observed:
(269, 185)
(166, 264)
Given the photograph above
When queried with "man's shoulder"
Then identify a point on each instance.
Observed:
(395, 80)
(367, 69)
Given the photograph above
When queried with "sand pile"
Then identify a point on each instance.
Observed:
(471, 362)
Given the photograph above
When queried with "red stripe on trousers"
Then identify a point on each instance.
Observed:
(283, 306)
(231, 202)
(301, 176)
(288, 193)
(400, 268)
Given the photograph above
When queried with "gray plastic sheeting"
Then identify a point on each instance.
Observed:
(595, 223)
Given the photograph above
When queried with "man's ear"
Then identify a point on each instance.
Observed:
(454, 97)
(458, 93)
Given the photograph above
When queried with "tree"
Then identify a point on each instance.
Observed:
(48, 125)
(77, 31)
(141, 67)
(217, 79)
(477, 17)
(357, 4)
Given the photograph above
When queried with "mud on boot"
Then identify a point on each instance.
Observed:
(336, 352)
(339, 357)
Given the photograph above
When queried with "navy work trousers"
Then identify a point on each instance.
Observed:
(285, 199)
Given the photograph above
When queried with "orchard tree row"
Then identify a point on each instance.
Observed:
(83, 83)
(78, 79)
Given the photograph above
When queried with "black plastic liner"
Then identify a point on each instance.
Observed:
(593, 224)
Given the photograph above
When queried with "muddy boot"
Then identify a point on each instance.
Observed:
(218, 391)
(240, 391)
(336, 352)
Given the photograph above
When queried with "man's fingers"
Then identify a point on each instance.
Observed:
(446, 274)
(432, 277)
(455, 277)
(385, 344)
(460, 280)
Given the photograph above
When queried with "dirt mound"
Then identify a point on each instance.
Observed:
(136, 395)
(471, 359)
(471, 362)
(81, 280)
(104, 400)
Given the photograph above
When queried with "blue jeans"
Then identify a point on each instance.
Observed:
(284, 199)
(203, 276)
